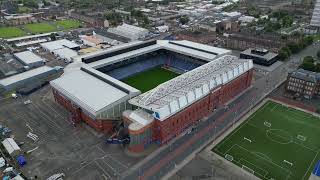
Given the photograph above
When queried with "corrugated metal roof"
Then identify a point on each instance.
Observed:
(25, 75)
(87, 91)
(58, 44)
(28, 57)
(174, 95)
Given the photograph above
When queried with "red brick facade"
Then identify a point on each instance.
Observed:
(163, 131)
(174, 125)
(77, 115)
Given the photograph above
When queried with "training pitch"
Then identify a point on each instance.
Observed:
(10, 32)
(149, 79)
(68, 24)
(275, 142)
(40, 28)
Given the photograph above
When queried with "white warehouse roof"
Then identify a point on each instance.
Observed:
(59, 44)
(178, 93)
(28, 57)
(65, 53)
(92, 93)
(129, 31)
(10, 145)
(25, 75)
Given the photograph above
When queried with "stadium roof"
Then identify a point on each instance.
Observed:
(27, 57)
(92, 90)
(196, 50)
(59, 44)
(178, 93)
(25, 75)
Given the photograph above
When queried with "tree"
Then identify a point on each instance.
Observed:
(287, 21)
(317, 67)
(184, 19)
(308, 63)
(308, 40)
(294, 47)
(318, 53)
(283, 55)
(53, 36)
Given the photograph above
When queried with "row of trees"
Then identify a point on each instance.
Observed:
(310, 64)
(294, 47)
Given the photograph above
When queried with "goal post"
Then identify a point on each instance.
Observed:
(301, 137)
(228, 157)
(268, 124)
(246, 168)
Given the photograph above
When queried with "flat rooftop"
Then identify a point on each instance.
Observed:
(27, 57)
(91, 92)
(268, 56)
(25, 75)
(59, 44)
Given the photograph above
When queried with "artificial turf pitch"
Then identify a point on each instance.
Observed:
(149, 79)
(40, 28)
(10, 32)
(275, 142)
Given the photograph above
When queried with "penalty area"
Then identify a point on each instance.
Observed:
(288, 162)
(247, 139)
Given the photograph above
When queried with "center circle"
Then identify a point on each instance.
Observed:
(278, 135)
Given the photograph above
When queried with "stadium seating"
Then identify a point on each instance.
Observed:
(130, 67)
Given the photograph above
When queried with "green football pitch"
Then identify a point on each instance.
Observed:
(10, 32)
(40, 28)
(275, 142)
(68, 24)
(149, 79)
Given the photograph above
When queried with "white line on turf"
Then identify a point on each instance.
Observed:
(255, 166)
(310, 165)
(245, 122)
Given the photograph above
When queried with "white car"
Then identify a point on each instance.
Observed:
(58, 176)
(27, 102)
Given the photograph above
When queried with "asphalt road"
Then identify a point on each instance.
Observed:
(161, 162)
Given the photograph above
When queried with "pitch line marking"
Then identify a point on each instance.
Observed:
(269, 131)
(245, 122)
(262, 155)
(285, 169)
(310, 164)
(99, 166)
(272, 109)
(255, 166)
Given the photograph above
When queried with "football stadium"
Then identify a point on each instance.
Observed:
(154, 89)
(275, 142)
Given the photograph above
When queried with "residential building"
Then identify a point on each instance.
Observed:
(304, 83)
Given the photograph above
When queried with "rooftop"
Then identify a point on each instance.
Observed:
(58, 44)
(196, 50)
(92, 92)
(265, 54)
(25, 75)
(173, 95)
(28, 57)
(306, 75)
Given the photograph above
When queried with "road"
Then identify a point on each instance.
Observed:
(161, 162)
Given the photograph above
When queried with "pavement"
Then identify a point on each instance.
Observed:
(168, 158)
(62, 147)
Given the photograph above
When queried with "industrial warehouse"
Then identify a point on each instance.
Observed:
(156, 89)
